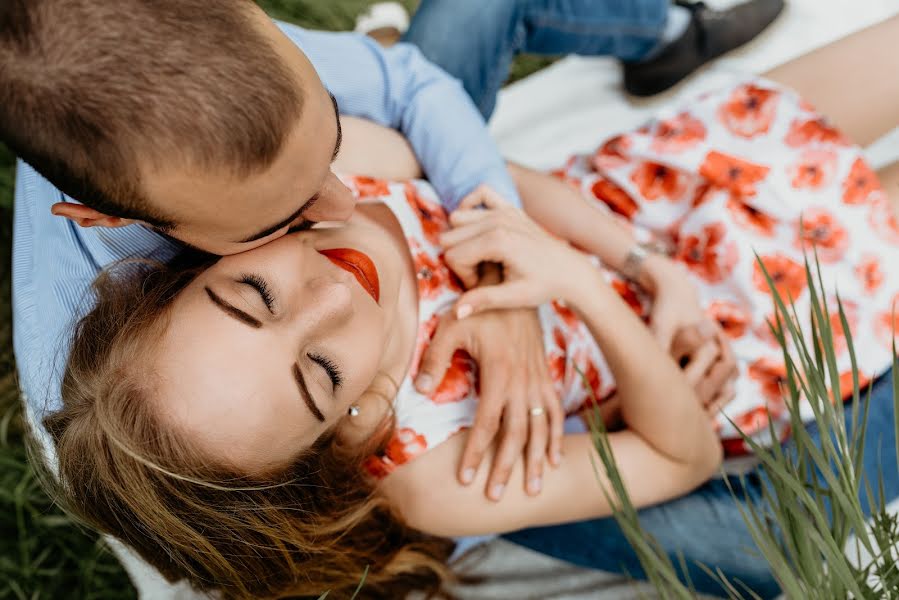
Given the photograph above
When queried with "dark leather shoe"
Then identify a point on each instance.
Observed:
(710, 34)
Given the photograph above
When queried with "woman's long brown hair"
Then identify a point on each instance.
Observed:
(310, 527)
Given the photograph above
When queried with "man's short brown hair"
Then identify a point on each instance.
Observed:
(92, 91)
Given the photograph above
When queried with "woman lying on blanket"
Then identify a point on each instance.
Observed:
(250, 423)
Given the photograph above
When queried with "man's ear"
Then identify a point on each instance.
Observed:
(86, 216)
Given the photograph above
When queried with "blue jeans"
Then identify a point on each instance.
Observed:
(476, 40)
(706, 526)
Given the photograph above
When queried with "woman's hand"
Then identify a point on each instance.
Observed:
(695, 341)
(536, 266)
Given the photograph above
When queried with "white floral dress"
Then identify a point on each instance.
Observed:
(748, 170)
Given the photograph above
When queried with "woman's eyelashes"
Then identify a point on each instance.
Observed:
(260, 285)
(329, 367)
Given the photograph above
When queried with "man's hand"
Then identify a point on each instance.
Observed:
(514, 380)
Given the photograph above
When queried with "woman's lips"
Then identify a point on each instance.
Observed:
(359, 265)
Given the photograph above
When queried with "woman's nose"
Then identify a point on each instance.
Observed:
(327, 301)
(335, 203)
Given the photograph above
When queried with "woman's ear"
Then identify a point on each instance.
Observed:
(365, 418)
(86, 216)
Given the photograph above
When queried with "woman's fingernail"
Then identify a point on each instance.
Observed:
(496, 492)
(557, 458)
(534, 485)
(467, 476)
(424, 382)
(463, 311)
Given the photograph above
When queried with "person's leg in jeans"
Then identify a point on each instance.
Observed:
(476, 40)
(706, 527)
(660, 42)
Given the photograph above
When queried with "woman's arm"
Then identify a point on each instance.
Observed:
(376, 151)
(668, 448)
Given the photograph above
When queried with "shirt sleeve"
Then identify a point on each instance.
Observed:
(397, 87)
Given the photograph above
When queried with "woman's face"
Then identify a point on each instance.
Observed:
(266, 350)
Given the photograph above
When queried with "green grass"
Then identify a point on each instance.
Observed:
(42, 553)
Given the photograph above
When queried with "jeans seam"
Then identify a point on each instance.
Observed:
(606, 27)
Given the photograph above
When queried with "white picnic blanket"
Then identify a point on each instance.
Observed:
(540, 121)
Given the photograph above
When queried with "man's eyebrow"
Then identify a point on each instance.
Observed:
(233, 311)
(304, 392)
(270, 230)
(339, 129)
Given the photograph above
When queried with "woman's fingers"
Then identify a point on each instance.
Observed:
(465, 232)
(724, 397)
(515, 294)
(482, 197)
(536, 448)
(700, 362)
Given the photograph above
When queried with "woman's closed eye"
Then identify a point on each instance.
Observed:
(329, 367)
(261, 286)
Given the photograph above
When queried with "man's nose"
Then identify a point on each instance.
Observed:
(336, 202)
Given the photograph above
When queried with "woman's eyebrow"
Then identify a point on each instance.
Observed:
(233, 311)
(304, 392)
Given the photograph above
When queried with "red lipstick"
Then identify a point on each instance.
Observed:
(359, 265)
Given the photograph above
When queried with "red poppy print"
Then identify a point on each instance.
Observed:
(860, 183)
(787, 274)
(405, 445)
(378, 467)
(613, 154)
(850, 310)
(431, 215)
(556, 365)
(709, 254)
(702, 194)
(567, 315)
(369, 187)
(819, 229)
(615, 198)
(732, 318)
(629, 294)
(433, 276)
(814, 169)
(732, 173)
(807, 131)
(763, 331)
(426, 331)
(458, 382)
(749, 217)
(884, 221)
(655, 180)
(753, 421)
(557, 357)
(564, 173)
(870, 273)
(846, 385)
(678, 134)
(749, 111)
(886, 324)
(590, 379)
(771, 377)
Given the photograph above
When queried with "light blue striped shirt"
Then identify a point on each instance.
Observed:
(55, 261)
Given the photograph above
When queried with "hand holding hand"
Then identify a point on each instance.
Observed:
(518, 402)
